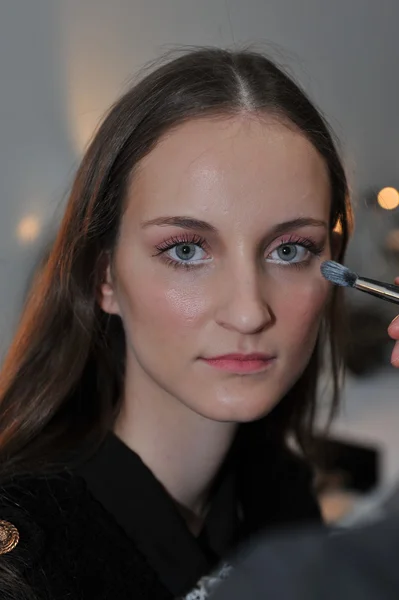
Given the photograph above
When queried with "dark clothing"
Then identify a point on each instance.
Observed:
(160, 532)
(356, 565)
(109, 530)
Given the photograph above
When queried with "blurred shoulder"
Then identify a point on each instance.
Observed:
(309, 565)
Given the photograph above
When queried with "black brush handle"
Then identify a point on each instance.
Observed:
(388, 287)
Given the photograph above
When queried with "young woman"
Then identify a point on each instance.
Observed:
(171, 344)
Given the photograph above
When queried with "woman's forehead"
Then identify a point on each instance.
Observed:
(238, 164)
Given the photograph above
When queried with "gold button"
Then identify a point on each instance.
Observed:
(9, 537)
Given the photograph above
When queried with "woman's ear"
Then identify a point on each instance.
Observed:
(106, 292)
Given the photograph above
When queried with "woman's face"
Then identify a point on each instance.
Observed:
(219, 253)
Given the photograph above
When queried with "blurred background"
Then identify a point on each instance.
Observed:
(63, 62)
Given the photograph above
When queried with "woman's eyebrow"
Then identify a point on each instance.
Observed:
(293, 224)
(199, 225)
(183, 222)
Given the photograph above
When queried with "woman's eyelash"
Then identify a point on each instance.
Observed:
(176, 240)
(200, 241)
(307, 243)
(315, 249)
(195, 239)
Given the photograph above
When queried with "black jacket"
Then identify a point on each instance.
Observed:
(74, 545)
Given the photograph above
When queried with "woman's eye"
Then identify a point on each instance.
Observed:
(289, 253)
(186, 253)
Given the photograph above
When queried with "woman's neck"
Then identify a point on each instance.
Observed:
(182, 449)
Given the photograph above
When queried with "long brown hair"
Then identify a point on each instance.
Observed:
(61, 381)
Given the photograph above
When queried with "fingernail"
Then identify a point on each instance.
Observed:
(395, 319)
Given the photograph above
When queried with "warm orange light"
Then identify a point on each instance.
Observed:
(388, 198)
(28, 228)
(338, 227)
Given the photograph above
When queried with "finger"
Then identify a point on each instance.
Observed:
(395, 355)
(393, 329)
(393, 332)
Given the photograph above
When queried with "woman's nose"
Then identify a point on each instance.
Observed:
(244, 306)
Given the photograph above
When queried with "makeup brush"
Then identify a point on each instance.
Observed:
(341, 275)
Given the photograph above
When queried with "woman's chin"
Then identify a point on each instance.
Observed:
(239, 410)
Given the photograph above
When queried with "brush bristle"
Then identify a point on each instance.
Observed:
(338, 274)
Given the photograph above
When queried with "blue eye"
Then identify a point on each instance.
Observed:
(288, 254)
(186, 253)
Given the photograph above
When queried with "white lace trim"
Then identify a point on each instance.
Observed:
(208, 584)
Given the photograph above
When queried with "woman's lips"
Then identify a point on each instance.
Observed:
(241, 363)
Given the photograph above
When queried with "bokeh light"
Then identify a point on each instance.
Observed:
(388, 198)
(28, 228)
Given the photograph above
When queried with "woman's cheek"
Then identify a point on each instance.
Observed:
(159, 301)
(186, 304)
(305, 305)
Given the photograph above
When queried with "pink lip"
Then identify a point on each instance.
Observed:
(241, 363)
